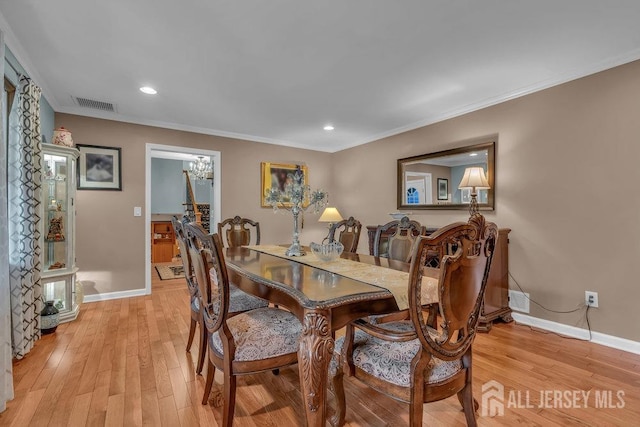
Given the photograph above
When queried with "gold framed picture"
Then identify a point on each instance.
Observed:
(277, 176)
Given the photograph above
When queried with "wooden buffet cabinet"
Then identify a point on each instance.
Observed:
(496, 296)
(163, 241)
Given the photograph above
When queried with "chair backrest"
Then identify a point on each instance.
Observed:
(208, 260)
(398, 245)
(349, 233)
(237, 233)
(464, 269)
(184, 253)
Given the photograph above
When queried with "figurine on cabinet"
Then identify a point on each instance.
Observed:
(55, 230)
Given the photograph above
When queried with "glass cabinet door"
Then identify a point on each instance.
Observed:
(58, 234)
(57, 229)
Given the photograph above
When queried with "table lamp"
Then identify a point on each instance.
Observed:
(330, 215)
(475, 180)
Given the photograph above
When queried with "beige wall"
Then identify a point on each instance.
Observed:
(565, 165)
(111, 241)
(572, 230)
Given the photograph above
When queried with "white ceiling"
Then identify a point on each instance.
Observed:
(277, 71)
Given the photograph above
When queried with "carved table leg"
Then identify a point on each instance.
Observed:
(314, 355)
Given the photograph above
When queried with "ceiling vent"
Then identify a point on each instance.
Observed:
(96, 105)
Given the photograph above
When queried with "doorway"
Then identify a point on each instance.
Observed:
(185, 154)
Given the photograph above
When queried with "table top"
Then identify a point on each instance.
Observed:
(310, 286)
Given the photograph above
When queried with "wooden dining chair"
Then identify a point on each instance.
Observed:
(398, 245)
(194, 301)
(241, 301)
(348, 233)
(237, 231)
(414, 360)
(253, 341)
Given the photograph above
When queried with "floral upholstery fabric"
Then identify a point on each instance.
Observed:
(238, 301)
(261, 334)
(391, 361)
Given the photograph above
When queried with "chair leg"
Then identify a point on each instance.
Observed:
(211, 370)
(229, 399)
(203, 347)
(416, 405)
(465, 396)
(469, 405)
(192, 332)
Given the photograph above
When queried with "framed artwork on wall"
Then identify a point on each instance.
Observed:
(443, 189)
(99, 168)
(278, 175)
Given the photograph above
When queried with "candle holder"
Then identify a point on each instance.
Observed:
(296, 198)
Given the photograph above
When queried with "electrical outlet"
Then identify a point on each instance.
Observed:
(591, 298)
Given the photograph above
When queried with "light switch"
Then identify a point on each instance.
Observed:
(137, 211)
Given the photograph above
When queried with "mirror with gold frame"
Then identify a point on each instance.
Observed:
(430, 181)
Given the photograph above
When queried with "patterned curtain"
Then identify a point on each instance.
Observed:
(6, 372)
(24, 176)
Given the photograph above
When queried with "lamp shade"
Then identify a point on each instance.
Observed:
(330, 215)
(474, 178)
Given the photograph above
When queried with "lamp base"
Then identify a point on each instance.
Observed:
(295, 250)
(473, 206)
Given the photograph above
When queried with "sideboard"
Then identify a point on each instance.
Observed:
(496, 296)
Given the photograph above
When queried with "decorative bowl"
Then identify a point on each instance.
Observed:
(328, 251)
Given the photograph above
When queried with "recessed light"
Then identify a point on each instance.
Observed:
(148, 90)
(328, 127)
(473, 154)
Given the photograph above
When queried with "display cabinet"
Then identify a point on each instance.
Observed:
(58, 253)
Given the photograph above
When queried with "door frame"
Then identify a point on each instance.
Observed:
(157, 150)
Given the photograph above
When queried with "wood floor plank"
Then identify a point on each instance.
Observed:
(28, 408)
(133, 393)
(115, 411)
(99, 400)
(123, 362)
(80, 410)
(168, 412)
(150, 408)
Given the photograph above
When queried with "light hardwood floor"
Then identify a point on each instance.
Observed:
(123, 362)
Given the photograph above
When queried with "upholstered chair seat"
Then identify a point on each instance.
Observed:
(391, 361)
(239, 301)
(261, 334)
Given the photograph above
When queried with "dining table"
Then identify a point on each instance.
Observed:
(325, 296)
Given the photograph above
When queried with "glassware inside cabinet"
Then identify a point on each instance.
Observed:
(56, 215)
(56, 291)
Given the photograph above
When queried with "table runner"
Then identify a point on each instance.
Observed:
(394, 281)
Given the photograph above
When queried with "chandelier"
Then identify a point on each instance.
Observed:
(201, 168)
(296, 198)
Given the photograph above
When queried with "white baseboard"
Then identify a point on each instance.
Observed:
(115, 295)
(575, 332)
